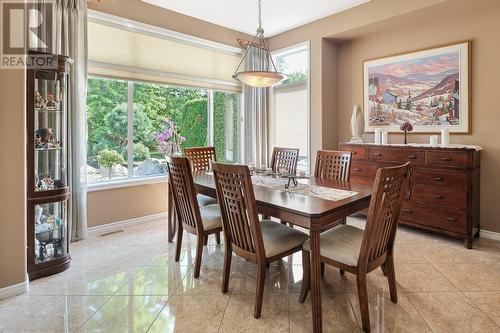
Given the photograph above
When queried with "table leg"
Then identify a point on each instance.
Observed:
(170, 222)
(315, 281)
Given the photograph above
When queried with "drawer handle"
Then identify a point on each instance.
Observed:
(377, 154)
(447, 159)
(412, 157)
(438, 179)
(407, 210)
(438, 196)
(357, 169)
(451, 219)
(354, 153)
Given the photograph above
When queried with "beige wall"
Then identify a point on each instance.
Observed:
(480, 26)
(157, 16)
(126, 203)
(340, 43)
(12, 169)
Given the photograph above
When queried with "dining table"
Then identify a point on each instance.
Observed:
(311, 212)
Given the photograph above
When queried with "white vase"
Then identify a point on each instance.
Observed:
(357, 125)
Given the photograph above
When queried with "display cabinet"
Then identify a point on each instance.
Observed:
(47, 169)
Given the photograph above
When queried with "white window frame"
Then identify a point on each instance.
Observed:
(130, 180)
(289, 50)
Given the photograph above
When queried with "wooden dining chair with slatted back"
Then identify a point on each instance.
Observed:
(201, 159)
(360, 252)
(285, 158)
(332, 164)
(259, 242)
(199, 221)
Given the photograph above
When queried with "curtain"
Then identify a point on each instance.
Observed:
(70, 23)
(256, 114)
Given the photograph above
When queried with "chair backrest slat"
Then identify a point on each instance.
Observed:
(238, 208)
(184, 192)
(383, 215)
(285, 158)
(200, 158)
(331, 164)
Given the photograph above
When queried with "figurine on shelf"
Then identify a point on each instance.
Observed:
(40, 102)
(46, 184)
(38, 214)
(406, 127)
(52, 103)
(45, 138)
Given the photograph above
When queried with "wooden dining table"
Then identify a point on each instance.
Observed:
(310, 212)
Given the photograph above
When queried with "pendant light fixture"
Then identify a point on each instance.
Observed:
(265, 77)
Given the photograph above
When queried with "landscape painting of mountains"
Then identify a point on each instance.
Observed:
(428, 88)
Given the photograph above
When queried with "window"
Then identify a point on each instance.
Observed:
(124, 117)
(289, 115)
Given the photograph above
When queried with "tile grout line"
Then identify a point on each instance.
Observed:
(114, 294)
(354, 313)
(419, 313)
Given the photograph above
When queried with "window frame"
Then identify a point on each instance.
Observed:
(131, 180)
(306, 45)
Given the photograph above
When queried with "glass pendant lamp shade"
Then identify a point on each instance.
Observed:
(261, 78)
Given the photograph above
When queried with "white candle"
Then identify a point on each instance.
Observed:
(378, 131)
(445, 136)
(433, 140)
(385, 138)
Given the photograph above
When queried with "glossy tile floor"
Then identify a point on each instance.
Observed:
(129, 282)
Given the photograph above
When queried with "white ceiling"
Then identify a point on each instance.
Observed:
(241, 15)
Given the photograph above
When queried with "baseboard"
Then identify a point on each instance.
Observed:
(14, 290)
(125, 223)
(489, 234)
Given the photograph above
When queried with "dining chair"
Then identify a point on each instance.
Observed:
(259, 242)
(332, 164)
(360, 252)
(285, 158)
(200, 159)
(196, 220)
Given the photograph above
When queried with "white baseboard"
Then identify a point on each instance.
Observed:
(14, 290)
(113, 226)
(489, 234)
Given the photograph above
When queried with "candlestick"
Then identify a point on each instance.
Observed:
(445, 136)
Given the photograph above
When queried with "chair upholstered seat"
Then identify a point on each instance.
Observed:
(204, 200)
(210, 217)
(279, 238)
(341, 244)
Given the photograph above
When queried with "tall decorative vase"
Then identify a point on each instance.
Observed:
(357, 125)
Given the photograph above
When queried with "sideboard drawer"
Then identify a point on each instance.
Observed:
(447, 159)
(363, 169)
(439, 196)
(444, 178)
(442, 218)
(402, 155)
(358, 153)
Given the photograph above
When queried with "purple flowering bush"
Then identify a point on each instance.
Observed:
(169, 140)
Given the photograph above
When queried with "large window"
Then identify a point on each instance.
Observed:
(289, 116)
(124, 117)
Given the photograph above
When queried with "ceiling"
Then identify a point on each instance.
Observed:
(241, 15)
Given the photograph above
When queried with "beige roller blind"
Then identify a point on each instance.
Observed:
(124, 54)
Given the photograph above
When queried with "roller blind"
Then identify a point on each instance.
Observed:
(124, 54)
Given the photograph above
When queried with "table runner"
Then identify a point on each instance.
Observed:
(322, 192)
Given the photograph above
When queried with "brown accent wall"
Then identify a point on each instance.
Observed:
(385, 27)
(12, 171)
(126, 203)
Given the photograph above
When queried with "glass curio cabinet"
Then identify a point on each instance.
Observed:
(48, 188)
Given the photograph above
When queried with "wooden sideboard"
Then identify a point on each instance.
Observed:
(443, 193)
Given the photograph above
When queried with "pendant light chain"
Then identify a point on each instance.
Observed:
(260, 13)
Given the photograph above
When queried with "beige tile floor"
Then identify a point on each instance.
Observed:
(129, 282)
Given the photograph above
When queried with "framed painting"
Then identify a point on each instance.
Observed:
(428, 88)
